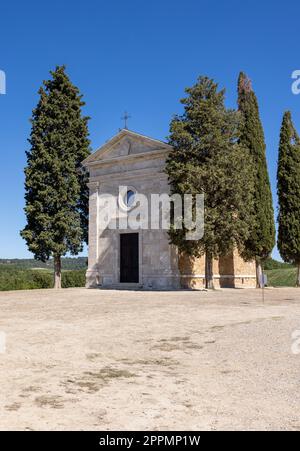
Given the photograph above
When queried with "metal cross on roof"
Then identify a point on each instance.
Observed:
(125, 119)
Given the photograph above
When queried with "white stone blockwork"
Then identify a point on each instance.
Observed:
(138, 162)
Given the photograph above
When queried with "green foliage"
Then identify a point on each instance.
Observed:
(71, 279)
(17, 279)
(56, 191)
(270, 264)
(284, 277)
(208, 159)
(288, 179)
(28, 263)
(262, 237)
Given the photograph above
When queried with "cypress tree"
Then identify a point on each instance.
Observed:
(207, 159)
(288, 183)
(55, 184)
(262, 237)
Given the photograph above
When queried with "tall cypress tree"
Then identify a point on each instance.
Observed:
(288, 180)
(262, 238)
(208, 159)
(55, 184)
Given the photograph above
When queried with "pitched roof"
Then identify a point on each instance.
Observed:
(115, 139)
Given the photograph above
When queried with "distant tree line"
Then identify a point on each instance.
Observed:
(67, 263)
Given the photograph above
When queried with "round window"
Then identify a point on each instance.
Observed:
(129, 198)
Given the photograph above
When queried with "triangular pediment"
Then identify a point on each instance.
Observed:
(124, 144)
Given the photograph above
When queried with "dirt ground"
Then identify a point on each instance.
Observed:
(107, 360)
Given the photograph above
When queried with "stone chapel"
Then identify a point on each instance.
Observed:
(144, 258)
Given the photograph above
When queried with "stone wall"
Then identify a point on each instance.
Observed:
(229, 272)
(142, 171)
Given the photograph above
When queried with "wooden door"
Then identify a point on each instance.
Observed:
(129, 258)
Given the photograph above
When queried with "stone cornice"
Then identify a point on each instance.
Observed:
(150, 155)
(152, 173)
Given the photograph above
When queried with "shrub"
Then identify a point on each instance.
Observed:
(19, 279)
(73, 279)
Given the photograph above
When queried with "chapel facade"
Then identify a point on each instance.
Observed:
(143, 258)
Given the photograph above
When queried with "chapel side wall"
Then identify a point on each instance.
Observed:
(245, 272)
(229, 272)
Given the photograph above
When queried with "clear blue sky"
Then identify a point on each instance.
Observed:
(138, 56)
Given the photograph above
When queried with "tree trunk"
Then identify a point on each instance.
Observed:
(57, 272)
(298, 276)
(259, 274)
(209, 278)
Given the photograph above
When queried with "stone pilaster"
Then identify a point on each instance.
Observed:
(92, 275)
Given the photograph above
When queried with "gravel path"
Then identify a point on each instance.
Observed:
(106, 360)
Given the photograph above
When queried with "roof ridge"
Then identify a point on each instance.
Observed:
(114, 139)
